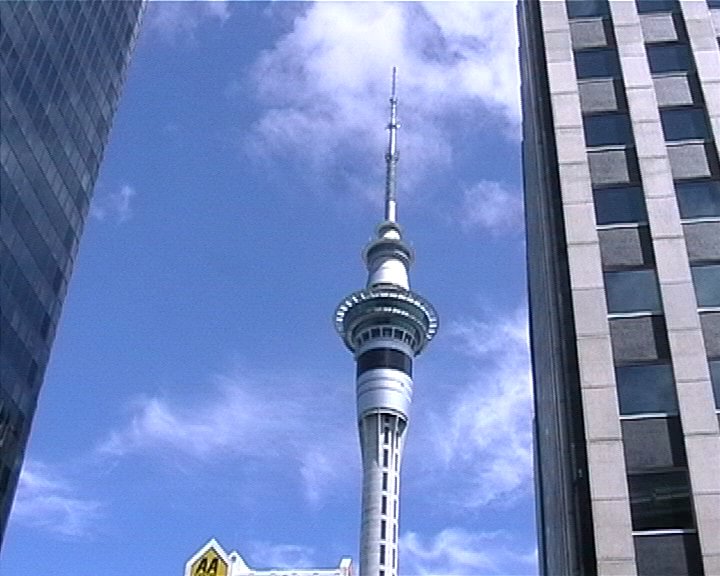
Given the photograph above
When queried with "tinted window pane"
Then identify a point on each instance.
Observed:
(660, 500)
(616, 205)
(653, 444)
(715, 378)
(698, 199)
(384, 358)
(641, 339)
(707, 284)
(632, 291)
(684, 124)
(668, 58)
(647, 388)
(607, 129)
(597, 63)
(668, 555)
(646, 6)
(585, 8)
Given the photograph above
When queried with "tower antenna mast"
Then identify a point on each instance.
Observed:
(392, 156)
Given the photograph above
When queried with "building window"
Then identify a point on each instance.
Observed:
(619, 205)
(648, 6)
(660, 500)
(684, 124)
(707, 284)
(652, 444)
(383, 527)
(385, 458)
(698, 199)
(602, 63)
(382, 553)
(385, 481)
(386, 435)
(676, 554)
(632, 291)
(668, 58)
(607, 129)
(640, 339)
(384, 358)
(715, 379)
(646, 389)
(383, 505)
(587, 8)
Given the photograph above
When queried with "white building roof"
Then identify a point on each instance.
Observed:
(213, 560)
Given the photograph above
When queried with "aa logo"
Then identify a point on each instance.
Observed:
(210, 567)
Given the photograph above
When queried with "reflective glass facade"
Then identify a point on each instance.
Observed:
(62, 66)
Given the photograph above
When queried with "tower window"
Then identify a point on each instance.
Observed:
(385, 458)
(382, 553)
(384, 480)
(383, 529)
(632, 291)
(384, 358)
(660, 500)
(383, 504)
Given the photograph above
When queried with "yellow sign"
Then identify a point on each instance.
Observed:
(209, 564)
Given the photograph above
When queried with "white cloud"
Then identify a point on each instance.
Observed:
(481, 435)
(176, 19)
(457, 552)
(270, 417)
(114, 205)
(493, 207)
(457, 62)
(45, 500)
(282, 556)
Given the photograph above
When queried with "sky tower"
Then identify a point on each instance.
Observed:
(385, 326)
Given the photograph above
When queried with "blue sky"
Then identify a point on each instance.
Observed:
(197, 388)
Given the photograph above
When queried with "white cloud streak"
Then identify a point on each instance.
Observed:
(282, 556)
(114, 206)
(492, 207)
(458, 552)
(181, 19)
(457, 61)
(273, 417)
(47, 501)
(481, 436)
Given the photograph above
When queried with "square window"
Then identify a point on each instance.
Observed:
(601, 63)
(715, 379)
(648, 6)
(684, 124)
(660, 500)
(698, 199)
(669, 58)
(619, 205)
(653, 444)
(646, 389)
(676, 554)
(707, 284)
(607, 129)
(639, 339)
(632, 291)
(587, 8)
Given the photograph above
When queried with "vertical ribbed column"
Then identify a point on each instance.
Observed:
(381, 438)
(609, 499)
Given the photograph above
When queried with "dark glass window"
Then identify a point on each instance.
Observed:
(668, 58)
(707, 284)
(698, 199)
(715, 379)
(632, 291)
(384, 358)
(668, 554)
(587, 8)
(607, 129)
(601, 63)
(382, 553)
(684, 124)
(646, 388)
(647, 6)
(618, 205)
(660, 500)
(713, 3)
(640, 339)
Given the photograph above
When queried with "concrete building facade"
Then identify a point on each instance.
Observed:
(621, 105)
(62, 66)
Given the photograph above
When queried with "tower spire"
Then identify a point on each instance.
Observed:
(392, 156)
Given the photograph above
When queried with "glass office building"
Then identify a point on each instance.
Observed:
(621, 104)
(62, 66)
